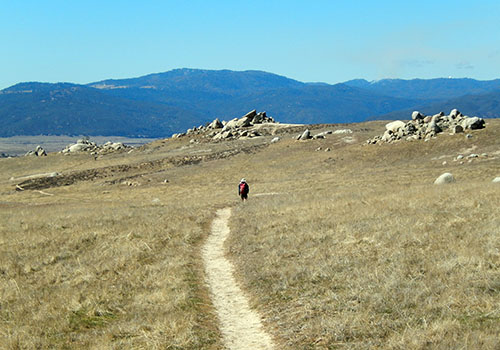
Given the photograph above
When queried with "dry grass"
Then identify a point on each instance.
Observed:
(105, 267)
(357, 250)
(363, 252)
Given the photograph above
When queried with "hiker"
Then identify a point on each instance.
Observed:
(243, 190)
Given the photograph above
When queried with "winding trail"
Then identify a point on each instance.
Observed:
(241, 326)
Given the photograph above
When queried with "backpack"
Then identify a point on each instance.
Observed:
(243, 188)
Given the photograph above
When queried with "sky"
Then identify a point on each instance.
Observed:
(83, 41)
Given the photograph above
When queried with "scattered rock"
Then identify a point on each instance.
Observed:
(496, 179)
(445, 178)
(276, 139)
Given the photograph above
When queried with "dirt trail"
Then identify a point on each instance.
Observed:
(241, 326)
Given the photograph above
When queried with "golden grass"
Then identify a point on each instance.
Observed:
(356, 250)
(364, 252)
(114, 269)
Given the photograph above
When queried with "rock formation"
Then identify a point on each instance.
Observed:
(93, 148)
(38, 152)
(233, 129)
(426, 127)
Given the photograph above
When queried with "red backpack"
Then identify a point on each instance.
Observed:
(243, 188)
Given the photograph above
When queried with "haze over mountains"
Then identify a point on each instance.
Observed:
(158, 105)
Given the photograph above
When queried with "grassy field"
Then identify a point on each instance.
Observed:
(353, 248)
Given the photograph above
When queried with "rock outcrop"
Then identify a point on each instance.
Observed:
(38, 152)
(233, 129)
(426, 127)
(306, 135)
(93, 148)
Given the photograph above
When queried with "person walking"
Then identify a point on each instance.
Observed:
(243, 190)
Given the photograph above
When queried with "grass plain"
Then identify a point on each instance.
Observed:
(354, 248)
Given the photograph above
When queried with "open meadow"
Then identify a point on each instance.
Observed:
(341, 245)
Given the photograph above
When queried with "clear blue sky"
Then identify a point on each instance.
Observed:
(82, 41)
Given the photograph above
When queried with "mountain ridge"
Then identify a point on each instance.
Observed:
(159, 104)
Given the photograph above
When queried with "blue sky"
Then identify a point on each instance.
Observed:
(329, 41)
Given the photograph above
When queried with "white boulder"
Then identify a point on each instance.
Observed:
(395, 125)
(445, 178)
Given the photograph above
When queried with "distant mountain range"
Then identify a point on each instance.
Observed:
(158, 105)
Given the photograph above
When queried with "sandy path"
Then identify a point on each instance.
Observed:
(241, 327)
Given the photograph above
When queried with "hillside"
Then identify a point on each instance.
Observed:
(227, 94)
(427, 89)
(158, 105)
(484, 105)
(69, 109)
(340, 245)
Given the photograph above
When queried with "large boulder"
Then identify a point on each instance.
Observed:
(78, 147)
(341, 131)
(306, 135)
(454, 113)
(417, 115)
(395, 125)
(230, 125)
(433, 127)
(445, 178)
(38, 152)
(243, 122)
(473, 123)
(250, 115)
(457, 129)
(216, 124)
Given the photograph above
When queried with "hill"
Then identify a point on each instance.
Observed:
(483, 105)
(427, 89)
(227, 94)
(341, 243)
(160, 104)
(69, 109)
